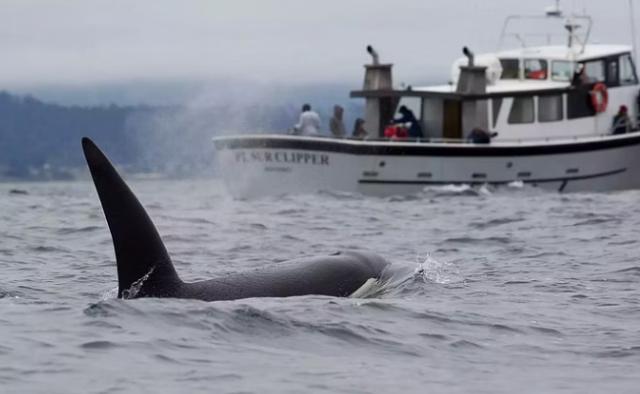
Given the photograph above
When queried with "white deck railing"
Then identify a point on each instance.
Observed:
(431, 140)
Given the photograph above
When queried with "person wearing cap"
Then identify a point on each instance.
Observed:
(358, 129)
(621, 121)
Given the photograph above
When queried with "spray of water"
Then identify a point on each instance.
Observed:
(110, 294)
(405, 279)
(176, 141)
(436, 271)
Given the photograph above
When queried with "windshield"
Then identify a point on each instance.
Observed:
(562, 70)
(532, 68)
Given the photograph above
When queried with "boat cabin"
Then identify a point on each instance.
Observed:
(540, 92)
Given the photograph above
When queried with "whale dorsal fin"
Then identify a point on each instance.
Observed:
(141, 256)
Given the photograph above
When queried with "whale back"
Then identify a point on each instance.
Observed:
(144, 266)
(337, 275)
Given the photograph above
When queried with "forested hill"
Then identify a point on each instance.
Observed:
(41, 140)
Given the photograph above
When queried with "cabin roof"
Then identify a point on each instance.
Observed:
(511, 87)
(561, 52)
(502, 86)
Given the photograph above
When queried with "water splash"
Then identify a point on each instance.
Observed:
(136, 286)
(407, 278)
(484, 190)
(438, 272)
(456, 190)
(516, 185)
(109, 294)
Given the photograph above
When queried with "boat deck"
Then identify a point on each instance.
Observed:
(431, 141)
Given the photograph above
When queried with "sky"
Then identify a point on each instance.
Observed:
(88, 42)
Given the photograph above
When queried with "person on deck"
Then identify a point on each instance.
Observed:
(395, 132)
(415, 130)
(358, 130)
(621, 122)
(309, 123)
(479, 136)
(336, 124)
(579, 76)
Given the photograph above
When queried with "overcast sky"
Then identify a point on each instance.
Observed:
(88, 41)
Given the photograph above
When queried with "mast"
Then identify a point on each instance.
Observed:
(633, 31)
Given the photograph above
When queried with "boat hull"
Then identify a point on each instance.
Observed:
(266, 165)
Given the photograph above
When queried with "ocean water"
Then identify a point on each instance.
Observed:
(510, 290)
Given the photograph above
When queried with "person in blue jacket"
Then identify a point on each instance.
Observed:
(479, 136)
(415, 131)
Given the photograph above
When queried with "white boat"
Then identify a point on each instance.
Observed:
(554, 129)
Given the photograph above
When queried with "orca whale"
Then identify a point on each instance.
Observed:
(145, 269)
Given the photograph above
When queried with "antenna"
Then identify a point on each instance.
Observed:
(633, 31)
(552, 11)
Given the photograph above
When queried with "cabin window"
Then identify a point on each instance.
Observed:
(535, 69)
(612, 72)
(522, 110)
(595, 71)
(510, 68)
(562, 70)
(550, 108)
(627, 71)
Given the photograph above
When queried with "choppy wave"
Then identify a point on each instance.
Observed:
(494, 290)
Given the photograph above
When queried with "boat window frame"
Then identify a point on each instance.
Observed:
(560, 98)
(602, 62)
(634, 71)
(572, 68)
(513, 106)
(544, 64)
(519, 73)
(612, 80)
(510, 60)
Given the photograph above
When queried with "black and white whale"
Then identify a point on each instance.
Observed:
(145, 268)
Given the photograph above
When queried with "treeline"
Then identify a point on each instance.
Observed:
(39, 139)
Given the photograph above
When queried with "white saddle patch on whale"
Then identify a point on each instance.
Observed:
(369, 285)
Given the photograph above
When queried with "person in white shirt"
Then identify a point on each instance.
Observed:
(309, 123)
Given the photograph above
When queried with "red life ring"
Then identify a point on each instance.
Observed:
(600, 88)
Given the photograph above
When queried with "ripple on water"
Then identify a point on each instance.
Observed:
(98, 345)
(541, 285)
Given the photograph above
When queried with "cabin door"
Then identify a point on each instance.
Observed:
(452, 119)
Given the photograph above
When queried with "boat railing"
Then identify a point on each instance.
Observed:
(459, 141)
(434, 140)
(570, 18)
